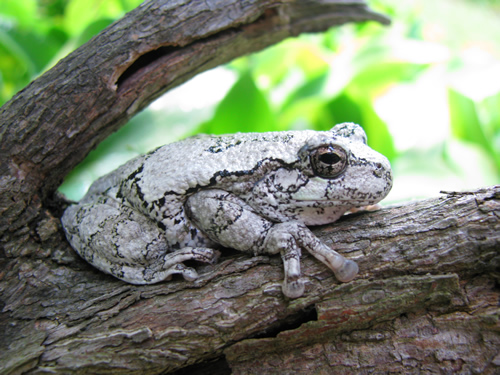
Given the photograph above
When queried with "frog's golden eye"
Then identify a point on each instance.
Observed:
(328, 161)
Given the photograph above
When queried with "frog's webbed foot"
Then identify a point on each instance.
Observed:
(163, 268)
(344, 269)
(173, 264)
(187, 273)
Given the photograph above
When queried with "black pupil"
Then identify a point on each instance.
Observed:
(329, 158)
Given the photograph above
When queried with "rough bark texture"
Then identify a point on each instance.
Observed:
(426, 299)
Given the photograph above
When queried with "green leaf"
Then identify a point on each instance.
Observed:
(273, 65)
(379, 137)
(471, 162)
(93, 29)
(310, 88)
(345, 108)
(307, 113)
(376, 78)
(14, 53)
(22, 13)
(244, 109)
(80, 14)
(466, 124)
(34, 50)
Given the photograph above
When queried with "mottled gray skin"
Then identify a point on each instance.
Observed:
(253, 192)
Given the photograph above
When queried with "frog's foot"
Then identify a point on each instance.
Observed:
(280, 240)
(173, 264)
(291, 235)
(187, 273)
(293, 285)
(347, 271)
(201, 254)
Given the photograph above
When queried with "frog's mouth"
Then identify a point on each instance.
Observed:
(325, 196)
(326, 203)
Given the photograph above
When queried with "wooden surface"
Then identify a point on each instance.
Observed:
(426, 298)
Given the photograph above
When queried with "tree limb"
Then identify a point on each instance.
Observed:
(428, 259)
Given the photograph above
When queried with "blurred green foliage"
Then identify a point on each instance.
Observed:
(425, 89)
(35, 34)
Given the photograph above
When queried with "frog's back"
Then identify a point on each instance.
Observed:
(200, 161)
(197, 161)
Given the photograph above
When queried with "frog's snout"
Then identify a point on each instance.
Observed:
(382, 171)
(347, 272)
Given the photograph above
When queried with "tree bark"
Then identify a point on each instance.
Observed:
(425, 300)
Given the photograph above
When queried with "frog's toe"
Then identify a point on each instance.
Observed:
(153, 276)
(347, 272)
(293, 289)
(188, 273)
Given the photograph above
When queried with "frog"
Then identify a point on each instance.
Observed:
(257, 193)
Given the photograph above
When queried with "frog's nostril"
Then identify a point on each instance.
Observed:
(378, 171)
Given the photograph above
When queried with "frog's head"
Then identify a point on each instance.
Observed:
(342, 169)
(326, 174)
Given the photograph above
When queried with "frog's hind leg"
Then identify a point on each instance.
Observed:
(125, 243)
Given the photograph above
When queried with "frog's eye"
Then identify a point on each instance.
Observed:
(328, 161)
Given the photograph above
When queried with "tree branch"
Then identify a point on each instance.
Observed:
(426, 259)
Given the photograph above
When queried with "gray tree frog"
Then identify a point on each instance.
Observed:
(254, 192)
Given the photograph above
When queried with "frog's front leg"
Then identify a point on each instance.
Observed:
(344, 269)
(123, 242)
(229, 221)
(289, 237)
